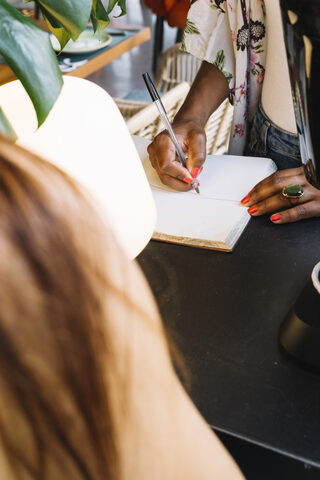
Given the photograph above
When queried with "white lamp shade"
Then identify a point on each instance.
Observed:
(86, 136)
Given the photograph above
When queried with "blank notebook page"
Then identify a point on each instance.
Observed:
(215, 218)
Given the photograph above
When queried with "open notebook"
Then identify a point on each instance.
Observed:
(214, 219)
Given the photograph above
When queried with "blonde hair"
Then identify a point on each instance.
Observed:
(56, 265)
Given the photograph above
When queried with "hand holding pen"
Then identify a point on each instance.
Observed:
(171, 163)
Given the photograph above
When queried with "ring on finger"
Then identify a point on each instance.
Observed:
(293, 191)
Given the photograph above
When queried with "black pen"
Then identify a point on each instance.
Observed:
(157, 100)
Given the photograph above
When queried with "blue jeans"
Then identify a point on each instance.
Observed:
(268, 140)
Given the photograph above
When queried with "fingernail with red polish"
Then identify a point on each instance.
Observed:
(245, 200)
(253, 209)
(188, 180)
(275, 218)
(194, 172)
(200, 170)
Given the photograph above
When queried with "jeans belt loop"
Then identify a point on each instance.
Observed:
(264, 132)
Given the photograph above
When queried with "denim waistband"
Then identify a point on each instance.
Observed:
(261, 116)
(266, 139)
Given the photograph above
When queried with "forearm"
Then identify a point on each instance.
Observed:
(208, 91)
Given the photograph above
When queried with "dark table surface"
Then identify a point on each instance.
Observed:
(225, 310)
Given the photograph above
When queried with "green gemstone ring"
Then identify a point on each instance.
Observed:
(292, 191)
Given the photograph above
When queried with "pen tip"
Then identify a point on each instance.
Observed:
(195, 185)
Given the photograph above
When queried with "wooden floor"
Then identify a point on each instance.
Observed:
(125, 73)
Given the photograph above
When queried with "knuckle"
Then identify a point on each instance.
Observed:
(157, 142)
(265, 206)
(294, 214)
(255, 196)
(163, 138)
(287, 216)
(277, 180)
(301, 211)
(300, 172)
(159, 136)
(163, 164)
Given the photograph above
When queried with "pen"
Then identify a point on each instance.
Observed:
(163, 114)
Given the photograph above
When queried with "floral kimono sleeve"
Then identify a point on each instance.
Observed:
(207, 36)
(231, 35)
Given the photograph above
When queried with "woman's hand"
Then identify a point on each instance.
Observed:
(162, 153)
(267, 197)
(209, 89)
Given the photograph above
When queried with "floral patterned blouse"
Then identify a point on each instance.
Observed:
(231, 34)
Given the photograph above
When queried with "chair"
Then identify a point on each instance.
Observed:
(175, 67)
(147, 121)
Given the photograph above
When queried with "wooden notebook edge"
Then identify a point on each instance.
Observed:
(192, 242)
(223, 246)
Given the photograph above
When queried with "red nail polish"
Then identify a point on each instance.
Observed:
(253, 209)
(200, 170)
(194, 172)
(245, 200)
(188, 180)
(275, 218)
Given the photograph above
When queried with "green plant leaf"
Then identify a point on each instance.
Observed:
(120, 3)
(73, 15)
(99, 16)
(27, 50)
(94, 22)
(58, 31)
(56, 28)
(5, 126)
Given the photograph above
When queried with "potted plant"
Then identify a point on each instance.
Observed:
(27, 48)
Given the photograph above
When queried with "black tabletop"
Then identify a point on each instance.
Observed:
(226, 309)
